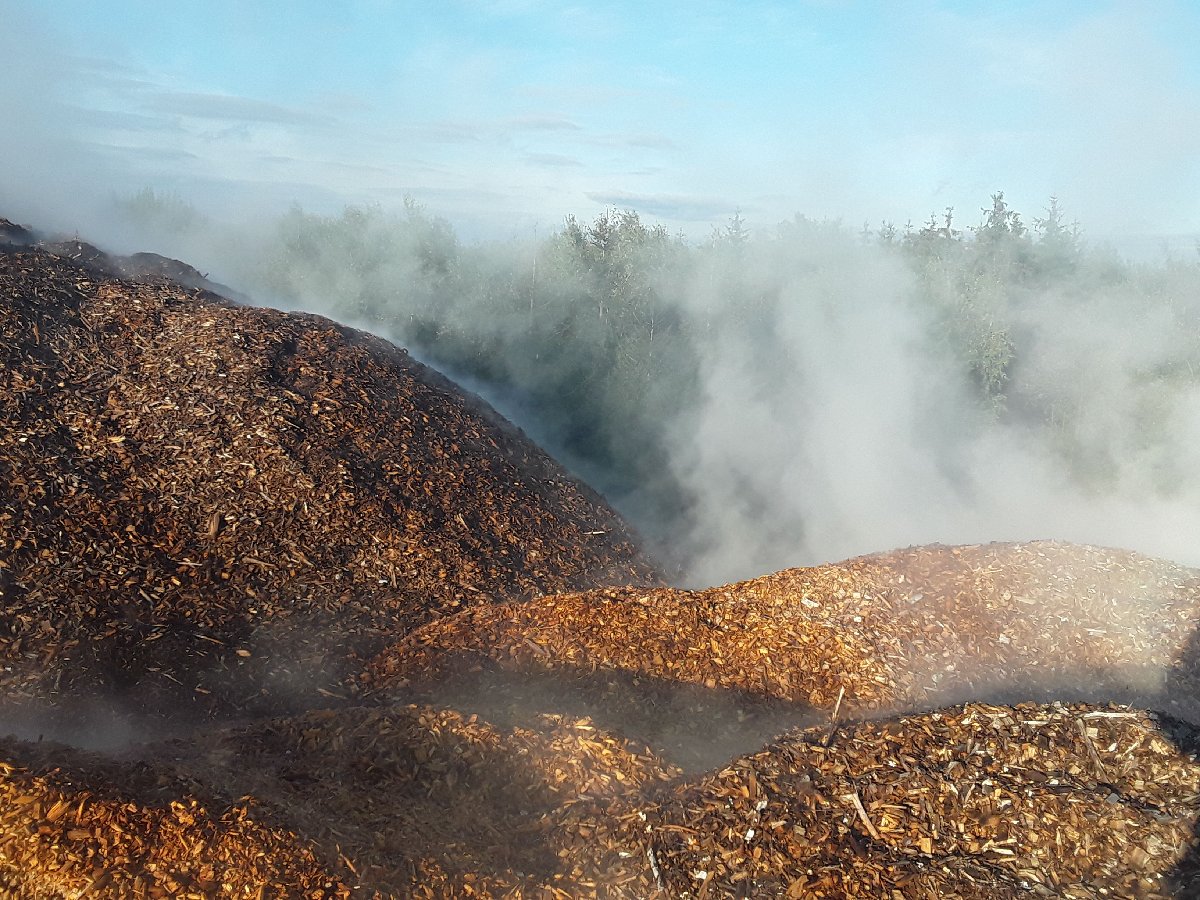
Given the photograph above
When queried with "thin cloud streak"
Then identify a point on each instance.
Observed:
(668, 205)
(231, 108)
(552, 160)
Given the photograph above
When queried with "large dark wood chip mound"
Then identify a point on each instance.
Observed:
(211, 509)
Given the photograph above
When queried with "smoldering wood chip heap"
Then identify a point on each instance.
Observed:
(973, 801)
(403, 654)
(215, 508)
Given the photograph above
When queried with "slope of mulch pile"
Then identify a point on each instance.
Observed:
(93, 827)
(974, 801)
(408, 800)
(14, 235)
(210, 509)
(977, 801)
(913, 628)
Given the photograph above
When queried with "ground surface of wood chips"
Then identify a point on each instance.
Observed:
(214, 512)
(972, 801)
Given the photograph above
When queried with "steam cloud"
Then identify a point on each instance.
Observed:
(858, 435)
(824, 404)
(822, 398)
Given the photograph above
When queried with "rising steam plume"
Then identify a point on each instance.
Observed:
(797, 393)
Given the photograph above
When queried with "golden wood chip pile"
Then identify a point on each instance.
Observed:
(399, 799)
(975, 801)
(98, 828)
(413, 793)
(213, 509)
(911, 628)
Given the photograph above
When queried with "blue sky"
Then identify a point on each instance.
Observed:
(504, 116)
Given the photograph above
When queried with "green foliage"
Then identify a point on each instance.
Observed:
(1058, 248)
(600, 335)
(598, 332)
(365, 264)
(159, 211)
(1001, 224)
(979, 287)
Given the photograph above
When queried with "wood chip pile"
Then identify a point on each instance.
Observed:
(404, 655)
(14, 235)
(215, 509)
(974, 801)
(912, 628)
(408, 799)
(977, 801)
(100, 828)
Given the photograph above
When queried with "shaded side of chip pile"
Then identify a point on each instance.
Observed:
(214, 508)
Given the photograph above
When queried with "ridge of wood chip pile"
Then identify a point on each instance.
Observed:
(209, 511)
(215, 508)
(910, 628)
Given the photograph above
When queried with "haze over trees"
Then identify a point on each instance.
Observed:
(787, 379)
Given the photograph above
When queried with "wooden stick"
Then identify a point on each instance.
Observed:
(658, 879)
(1091, 749)
(834, 718)
(862, 813)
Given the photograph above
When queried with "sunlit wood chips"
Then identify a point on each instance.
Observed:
(910, 628)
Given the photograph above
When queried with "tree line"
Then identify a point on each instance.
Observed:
(596, 338)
